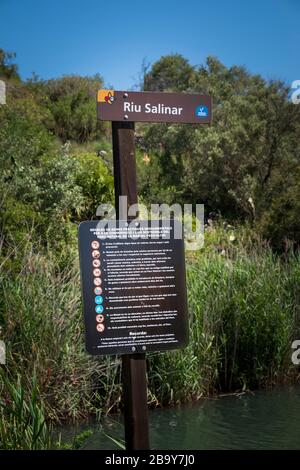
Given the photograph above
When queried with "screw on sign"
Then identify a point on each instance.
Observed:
(123, 109)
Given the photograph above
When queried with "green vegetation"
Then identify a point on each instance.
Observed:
(245, 166)
(243, 286)
(22, 423)
(244, 313)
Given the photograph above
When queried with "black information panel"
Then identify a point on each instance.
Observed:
(133, 284)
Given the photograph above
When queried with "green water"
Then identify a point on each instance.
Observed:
(262, 420)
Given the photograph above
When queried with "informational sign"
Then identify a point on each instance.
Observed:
(133, 285)
(153, 107)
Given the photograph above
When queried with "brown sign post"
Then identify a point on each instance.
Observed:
(133, 365)
(124, 108)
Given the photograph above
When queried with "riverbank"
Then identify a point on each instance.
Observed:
(244, 315)
(263, 420)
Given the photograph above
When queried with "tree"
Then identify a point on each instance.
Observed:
(72, 103)
(170, 73)
(8, 69)
(232, 166)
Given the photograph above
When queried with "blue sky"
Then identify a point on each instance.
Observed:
(56, 37)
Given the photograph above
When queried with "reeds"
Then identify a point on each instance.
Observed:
(244, 313)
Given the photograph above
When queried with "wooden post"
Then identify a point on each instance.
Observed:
(133, 365)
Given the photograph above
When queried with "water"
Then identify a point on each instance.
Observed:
(262, 420)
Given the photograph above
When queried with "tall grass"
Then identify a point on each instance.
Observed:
(243, 313)
(22, 421)
(41, 319)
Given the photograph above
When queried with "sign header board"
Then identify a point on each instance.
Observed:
(133, 284)
(153, 107)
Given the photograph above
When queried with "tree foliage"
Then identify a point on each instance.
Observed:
(45, 188)
(235, 165)
(71, 102)
(245, 166)
(170, 73)
(8, 69)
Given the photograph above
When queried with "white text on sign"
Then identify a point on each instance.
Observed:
(151, 109)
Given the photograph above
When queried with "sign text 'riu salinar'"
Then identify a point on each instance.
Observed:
(153, 107)
(134, 289)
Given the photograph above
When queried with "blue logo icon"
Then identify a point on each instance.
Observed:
(99, 309)
(98, 299)
(201, 111)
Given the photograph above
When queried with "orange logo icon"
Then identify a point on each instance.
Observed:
(106, 96)
(110, 98)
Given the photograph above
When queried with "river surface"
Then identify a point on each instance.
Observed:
(260, 420)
